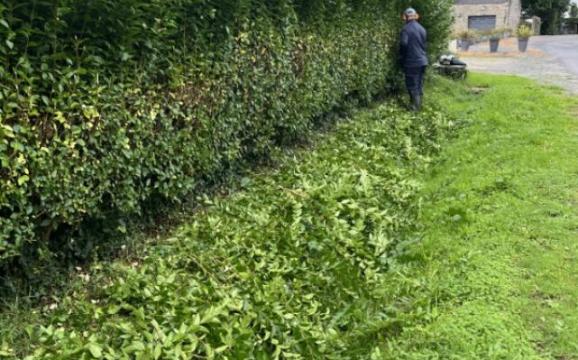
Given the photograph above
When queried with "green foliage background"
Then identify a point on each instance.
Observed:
(550, 11)
(109, 106)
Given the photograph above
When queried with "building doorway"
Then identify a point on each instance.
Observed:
(481, 23)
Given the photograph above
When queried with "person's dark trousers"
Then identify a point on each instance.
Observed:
(414, 77)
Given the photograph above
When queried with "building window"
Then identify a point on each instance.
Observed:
(486, 22)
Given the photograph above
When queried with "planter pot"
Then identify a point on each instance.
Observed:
(494, 43)
(523, 45)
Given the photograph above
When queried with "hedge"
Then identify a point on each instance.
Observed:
(107, 106)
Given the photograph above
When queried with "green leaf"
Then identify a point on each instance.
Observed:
(23, 180)
(135, 346)
(95, 350)
(157, 352)
(7, 131)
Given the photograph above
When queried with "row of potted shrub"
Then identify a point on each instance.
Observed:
(469, 37)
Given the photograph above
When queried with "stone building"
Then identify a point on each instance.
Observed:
(487, 14)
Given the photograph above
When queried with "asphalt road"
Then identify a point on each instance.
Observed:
(552, 60)
(563, 48)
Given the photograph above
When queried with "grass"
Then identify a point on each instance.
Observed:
(496, 276)
(363, 247)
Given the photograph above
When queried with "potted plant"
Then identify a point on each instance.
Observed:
(523, 33)
(466, 39)
(495, 36)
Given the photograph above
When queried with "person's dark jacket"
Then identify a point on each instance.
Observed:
(413, 45)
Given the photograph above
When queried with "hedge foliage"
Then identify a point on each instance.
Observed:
(108, 105)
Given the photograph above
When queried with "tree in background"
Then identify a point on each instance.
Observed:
(550, 11)
(574, 11)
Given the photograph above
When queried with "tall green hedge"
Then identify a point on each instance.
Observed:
(108, 105)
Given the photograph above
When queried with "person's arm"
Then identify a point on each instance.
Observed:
(403, 42)
(425, 40)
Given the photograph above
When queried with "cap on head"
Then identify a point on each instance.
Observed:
(410, 12)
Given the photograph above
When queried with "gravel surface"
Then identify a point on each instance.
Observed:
(551, 60)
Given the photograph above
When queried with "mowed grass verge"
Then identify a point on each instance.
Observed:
(496, 276)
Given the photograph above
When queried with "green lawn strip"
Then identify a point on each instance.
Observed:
(496, 276)
(289, 267)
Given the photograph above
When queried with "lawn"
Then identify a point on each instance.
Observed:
(496, 275)
(387, 238)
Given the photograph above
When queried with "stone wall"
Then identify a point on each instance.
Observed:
(508, 12)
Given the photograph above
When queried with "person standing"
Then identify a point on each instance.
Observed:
(413, 56)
